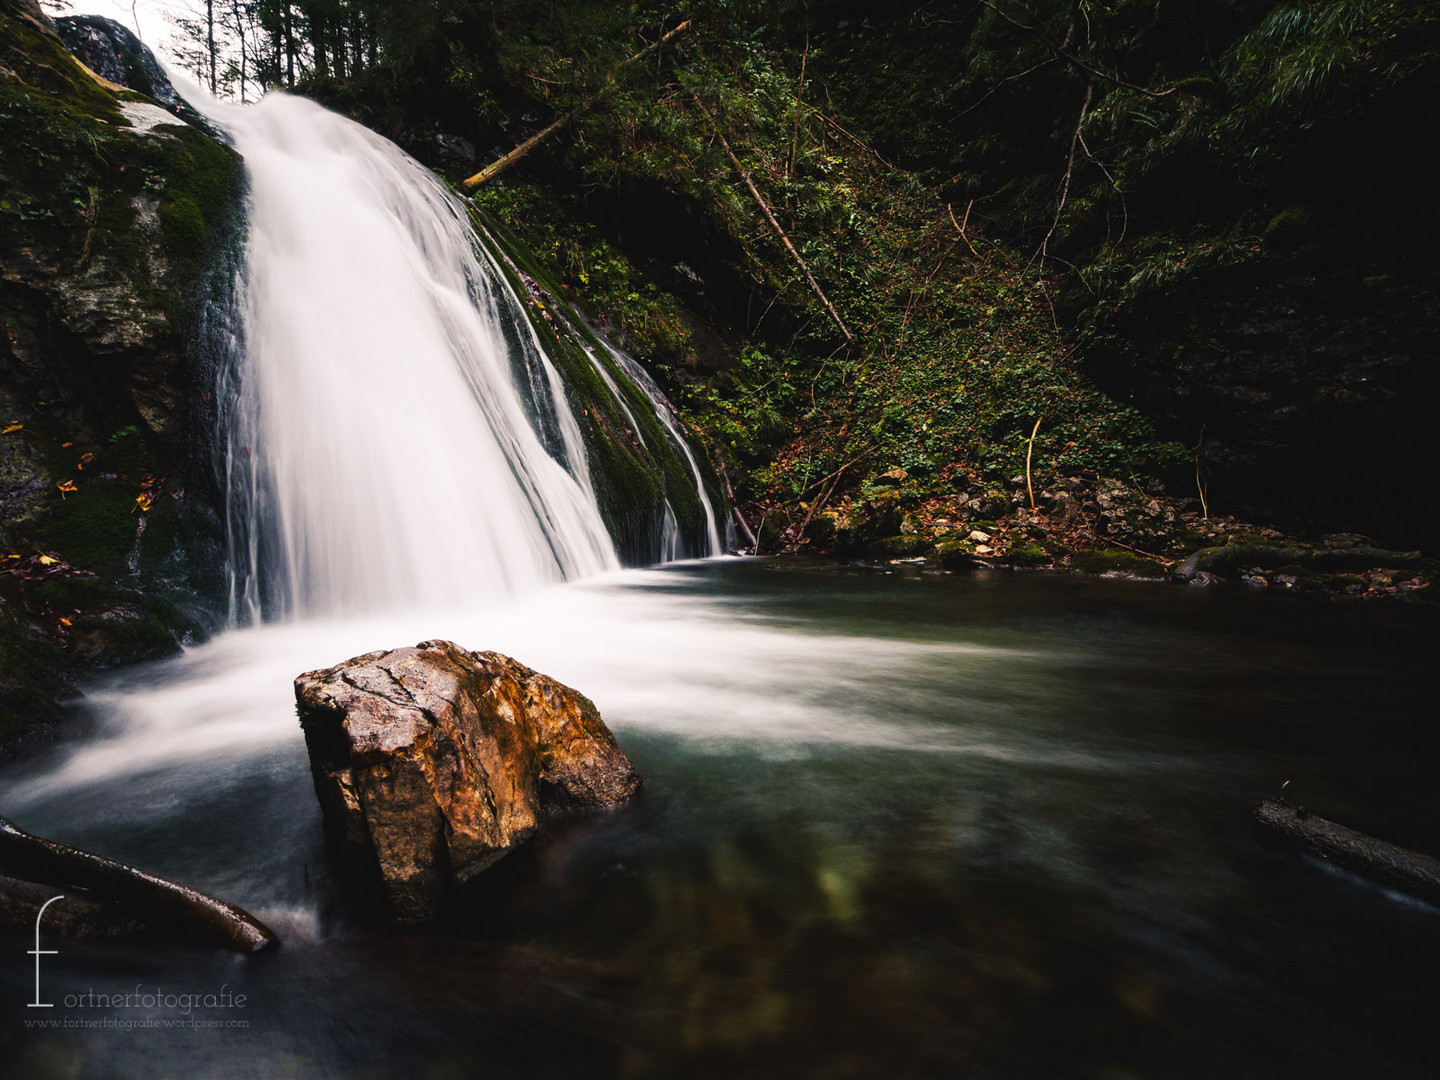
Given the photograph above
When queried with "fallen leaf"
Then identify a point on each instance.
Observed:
(66, 485)
(14, 425)
(143, 501)
(85, 460)
(46, 560)
(65, 622)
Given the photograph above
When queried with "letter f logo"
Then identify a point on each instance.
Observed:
(38, 952)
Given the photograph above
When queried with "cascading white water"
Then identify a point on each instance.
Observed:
(665, 413)
(382, 452)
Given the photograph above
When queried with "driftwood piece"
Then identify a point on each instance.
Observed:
(1385, 864)
(35, 859)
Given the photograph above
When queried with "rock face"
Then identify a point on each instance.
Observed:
(114, 53)
(432, 762)
(119, 225)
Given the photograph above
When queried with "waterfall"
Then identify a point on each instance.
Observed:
(670, 422)
(395, 434)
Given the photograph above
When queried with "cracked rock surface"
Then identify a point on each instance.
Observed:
(433, 762)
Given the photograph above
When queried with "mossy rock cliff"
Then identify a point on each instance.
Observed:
(116, 223)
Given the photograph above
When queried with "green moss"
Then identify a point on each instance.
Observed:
(898, 547)
(955, 554)
(185, 231)
(1305, 579)
(94, 527)
(111, 624)
(1287, 228)
(200, 201)
(1029, 555)
(45, 65)
(636, 473)
(32, 678)
(1115, 561)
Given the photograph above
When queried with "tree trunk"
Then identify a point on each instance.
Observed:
(210, 41)
(290, 46)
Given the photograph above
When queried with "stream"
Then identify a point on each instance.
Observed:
(894, 823)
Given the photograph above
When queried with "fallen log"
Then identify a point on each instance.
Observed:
(1385, 864)
(37, 860)
(499, 165)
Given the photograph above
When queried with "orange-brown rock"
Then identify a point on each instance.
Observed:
(433, 762)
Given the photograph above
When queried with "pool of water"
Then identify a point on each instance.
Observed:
(893, 823)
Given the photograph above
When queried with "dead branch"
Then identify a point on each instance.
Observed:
(495, 168)
(817, 504)
(1065, 181)
(1029, 452)
(735, 510)
(960, 227)
(1385, 864)
(774, 224)
(33, 858)
(1059, 49)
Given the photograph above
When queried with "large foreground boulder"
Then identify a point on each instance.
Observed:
(432, 762)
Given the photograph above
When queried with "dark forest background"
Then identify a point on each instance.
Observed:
(1194, 240)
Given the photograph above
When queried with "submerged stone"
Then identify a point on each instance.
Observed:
(433, 762)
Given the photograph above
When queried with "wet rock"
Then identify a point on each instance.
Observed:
(898, 547)
(1232, 557)
(861, 524)
(111, 51)
(1135, 517)
(893, 478)
(116, 235)
(989, 504)
(822, 528)
(1346, 540)
(432, 762)
(1111, 562)
(955, 553)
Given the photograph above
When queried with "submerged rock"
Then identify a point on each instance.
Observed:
(433, 762)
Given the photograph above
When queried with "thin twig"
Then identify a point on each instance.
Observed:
(961, 228)
(1065, 180)
(1029, 453)
(1058, 48)
(799, 89)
